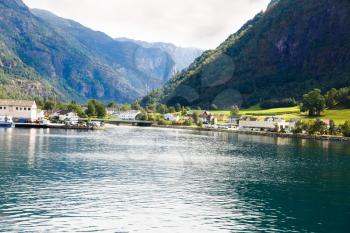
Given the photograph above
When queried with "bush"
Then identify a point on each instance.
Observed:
(188, 122)
(345, 129)
(163, 122)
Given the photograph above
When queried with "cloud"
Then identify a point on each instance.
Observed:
(197, 23)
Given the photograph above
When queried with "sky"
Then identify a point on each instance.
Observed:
(187, 23)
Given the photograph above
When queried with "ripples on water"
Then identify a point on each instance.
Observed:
(152, 180)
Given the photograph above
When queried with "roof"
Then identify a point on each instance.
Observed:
(64, 112)
(20, 103)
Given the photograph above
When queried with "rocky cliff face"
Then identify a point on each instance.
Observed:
(291, 48)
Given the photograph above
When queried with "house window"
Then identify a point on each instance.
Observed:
(20, 109)
(0, 107)
(5, 108)
(25, 109)
(28, 109)
(17, 108)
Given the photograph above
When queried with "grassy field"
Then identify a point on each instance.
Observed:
(293, 113)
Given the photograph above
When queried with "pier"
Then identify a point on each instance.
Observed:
(119, 122)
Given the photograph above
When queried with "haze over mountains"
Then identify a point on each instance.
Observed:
(291, 48)
(42, 54)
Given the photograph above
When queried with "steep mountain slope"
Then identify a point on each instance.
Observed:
(148, 67)
(18, 80)
(78, 62)
(182, 57)
(291, 48)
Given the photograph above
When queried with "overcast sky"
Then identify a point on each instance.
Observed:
(196, 23)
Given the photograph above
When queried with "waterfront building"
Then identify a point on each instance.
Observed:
(127, 115)
(20, 110)
(68, 116)
(268, 124)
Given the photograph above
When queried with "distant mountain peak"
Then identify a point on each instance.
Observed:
(183, 56)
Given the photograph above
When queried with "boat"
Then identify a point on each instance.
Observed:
(6, 122)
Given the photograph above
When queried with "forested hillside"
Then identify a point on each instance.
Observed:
(286, 51)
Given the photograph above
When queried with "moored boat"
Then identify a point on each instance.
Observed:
(6, 122)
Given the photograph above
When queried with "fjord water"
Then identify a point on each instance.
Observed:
(128, 179)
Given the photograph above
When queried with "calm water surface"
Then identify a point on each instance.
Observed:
(129, 179)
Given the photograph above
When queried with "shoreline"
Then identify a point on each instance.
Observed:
(258, 133)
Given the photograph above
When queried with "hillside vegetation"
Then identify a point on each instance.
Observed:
(284, 52)
(75, 61)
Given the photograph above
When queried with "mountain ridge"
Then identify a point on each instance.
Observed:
(76, 62)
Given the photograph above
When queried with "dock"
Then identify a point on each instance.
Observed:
(54, 126)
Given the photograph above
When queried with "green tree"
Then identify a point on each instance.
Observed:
(162, 109)
(331, 98)
(39, 101)
(195, 117)
(234, 111)
(172, 110)
(299, 128)
(345, 128)
(317, 127)
(49, 105)
(100, 110)
(314, 103)
(188, 122)
(143, 116)
(136, 106)
(112, 105)
(91, 109)
(178, 107)
(184, 111)
(76, 108)
(125, 107)
(332, 128)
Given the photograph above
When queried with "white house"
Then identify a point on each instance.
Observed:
(68, 116)
(269, 124)
(111, 111)
(127, 115)
(171, 117)
(23, 110)
(40, 114)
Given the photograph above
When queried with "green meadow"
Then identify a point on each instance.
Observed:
(293, 113)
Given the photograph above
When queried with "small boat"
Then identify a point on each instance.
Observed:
(6, 122)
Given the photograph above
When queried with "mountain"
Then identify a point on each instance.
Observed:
(75, 61)
(182, 57)
(291, 48)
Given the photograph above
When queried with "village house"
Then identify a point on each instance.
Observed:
(220, 117)
(68, 116)
(127, 115)
(268, 124)
(41, 114)
(19, 110)
(171, 117)
(111, 111)
(65, 116)
(234, 120)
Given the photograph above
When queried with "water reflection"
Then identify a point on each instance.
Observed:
(154, 180)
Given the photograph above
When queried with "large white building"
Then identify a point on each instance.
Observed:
(127, 115)
(24, 110)
(269, 124)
